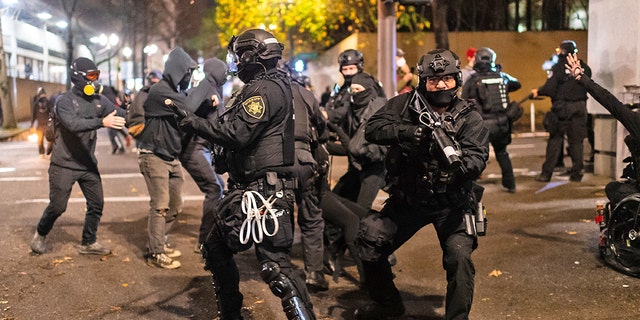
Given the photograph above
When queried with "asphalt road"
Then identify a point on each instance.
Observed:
(538, 260)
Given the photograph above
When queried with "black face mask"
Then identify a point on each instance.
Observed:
(247, 72)
(183, 85)
(441, 98)
(362, 98)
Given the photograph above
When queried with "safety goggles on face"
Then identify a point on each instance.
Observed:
(91, 75)
(448, 79)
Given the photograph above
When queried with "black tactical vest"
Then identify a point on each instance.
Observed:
(492, 92)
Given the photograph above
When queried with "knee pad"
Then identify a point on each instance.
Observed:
(292, 305)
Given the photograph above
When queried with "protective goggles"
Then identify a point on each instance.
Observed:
(91, 75)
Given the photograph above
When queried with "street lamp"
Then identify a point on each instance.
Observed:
(108, 42)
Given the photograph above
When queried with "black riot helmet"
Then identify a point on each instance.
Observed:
(252, 51)
(566, 47)
(485, 59)
(438, 63)
(351, 57)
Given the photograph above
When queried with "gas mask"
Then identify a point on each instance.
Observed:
(88, 81)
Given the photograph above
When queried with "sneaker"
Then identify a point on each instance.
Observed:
(316, 282)
(170, 252)
(37, 243)
(198, 248)
(161, 260)
(378, 311)
(94, 248)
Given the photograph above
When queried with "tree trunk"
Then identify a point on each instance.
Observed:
(440, 28)
(8, 119)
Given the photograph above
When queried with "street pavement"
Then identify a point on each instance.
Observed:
(539, 259)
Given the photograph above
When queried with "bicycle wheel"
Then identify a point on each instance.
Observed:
(624, 234)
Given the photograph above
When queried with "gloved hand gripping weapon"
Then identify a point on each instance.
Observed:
(439, 125)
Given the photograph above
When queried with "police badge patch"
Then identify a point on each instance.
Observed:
(254, 107)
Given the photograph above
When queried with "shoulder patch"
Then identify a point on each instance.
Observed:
(254, 107)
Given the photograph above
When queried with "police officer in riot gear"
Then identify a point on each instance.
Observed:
(257, 135)
(569, 107)
(490, 89)
(308, 125)
(438, 148)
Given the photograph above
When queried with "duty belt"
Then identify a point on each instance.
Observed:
(267, 186)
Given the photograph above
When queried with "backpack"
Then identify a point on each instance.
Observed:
(51, 131)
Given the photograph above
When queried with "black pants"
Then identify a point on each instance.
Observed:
(573, 124)
(196, 159)
(219, 250)
(500, 138)
(456, 246)
(61, 181)
(309, 213)
(361, 186)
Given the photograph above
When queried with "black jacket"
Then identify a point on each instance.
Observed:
(257, 128)
(161, 134)
(75, 144)
(472, 135)
(560, 86)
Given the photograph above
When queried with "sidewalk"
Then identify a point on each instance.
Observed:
(6, 134)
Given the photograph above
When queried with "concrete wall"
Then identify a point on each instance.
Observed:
(521, 55)
(614, 51)
(23, 97)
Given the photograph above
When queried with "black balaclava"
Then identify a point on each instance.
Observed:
(362, 98)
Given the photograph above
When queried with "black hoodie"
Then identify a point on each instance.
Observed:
(199, 99)
(161, 133)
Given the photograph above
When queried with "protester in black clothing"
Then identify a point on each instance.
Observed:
(438, 148)
(569, 109)
(79, 113)
(490, 88)
(365, 173)
(205, 100)
(257, 136)
(159, 149)
(117, 145)
(342, 216)
(41, 107)
(615, 190)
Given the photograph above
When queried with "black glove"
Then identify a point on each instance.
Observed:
(181, 114)
(412, 133)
